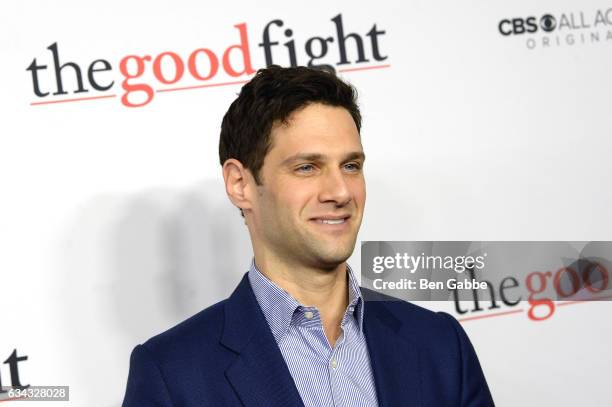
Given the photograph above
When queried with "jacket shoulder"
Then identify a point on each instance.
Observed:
(433, 329)
(190, 336)
(403, 311)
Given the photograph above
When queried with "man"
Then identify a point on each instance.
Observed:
(298, 330)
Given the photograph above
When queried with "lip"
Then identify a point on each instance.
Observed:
(331, 217)
(339, 227)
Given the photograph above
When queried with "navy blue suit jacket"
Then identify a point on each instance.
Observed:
(226, 356)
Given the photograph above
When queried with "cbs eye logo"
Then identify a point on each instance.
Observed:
(548, 23)
(515, 26)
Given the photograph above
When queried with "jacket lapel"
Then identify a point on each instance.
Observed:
(394, 358)
(259, 374)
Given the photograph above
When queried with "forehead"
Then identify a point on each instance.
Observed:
(316, 128)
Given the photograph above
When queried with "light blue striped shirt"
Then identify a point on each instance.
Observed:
(324, 376)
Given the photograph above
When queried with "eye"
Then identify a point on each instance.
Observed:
(305, 168)
(353, 166)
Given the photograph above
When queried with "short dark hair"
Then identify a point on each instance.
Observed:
(272, 95)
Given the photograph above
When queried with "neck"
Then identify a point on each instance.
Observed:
(325, 289)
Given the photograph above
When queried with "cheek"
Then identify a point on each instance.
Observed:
(284, 205)
(295, 201)
(266, 209)
(359, 192)
(294, 195)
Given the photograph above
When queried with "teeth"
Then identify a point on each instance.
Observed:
(332, 222)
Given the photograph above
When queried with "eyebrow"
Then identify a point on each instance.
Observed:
(355, 155)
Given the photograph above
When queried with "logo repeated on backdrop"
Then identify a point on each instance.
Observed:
(560, 29)
(142, 76)
(586, 276)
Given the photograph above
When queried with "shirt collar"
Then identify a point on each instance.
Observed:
(278, 305)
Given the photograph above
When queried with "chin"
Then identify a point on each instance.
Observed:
(332, 259)
(328, 252)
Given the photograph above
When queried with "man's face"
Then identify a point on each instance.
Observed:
(309, 208)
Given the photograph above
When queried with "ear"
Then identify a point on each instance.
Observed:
(238, 182)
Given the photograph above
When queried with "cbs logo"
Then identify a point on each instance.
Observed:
(515, 26)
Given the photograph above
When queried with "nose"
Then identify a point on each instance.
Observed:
(334, 188)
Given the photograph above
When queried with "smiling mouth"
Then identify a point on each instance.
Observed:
(331, 221)
(336, 220)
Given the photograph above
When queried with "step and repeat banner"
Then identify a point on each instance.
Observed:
(482, 121)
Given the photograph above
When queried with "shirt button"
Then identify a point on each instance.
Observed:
(351, 308)
(334, 363)
(308, 314)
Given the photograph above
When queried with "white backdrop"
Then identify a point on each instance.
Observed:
(114, 224)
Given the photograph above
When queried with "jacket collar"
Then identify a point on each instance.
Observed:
(258, 374)
(393, 354)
